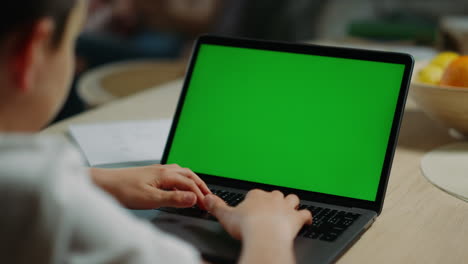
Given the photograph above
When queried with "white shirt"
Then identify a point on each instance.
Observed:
(52, 213)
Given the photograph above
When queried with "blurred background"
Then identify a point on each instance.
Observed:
(131, 45)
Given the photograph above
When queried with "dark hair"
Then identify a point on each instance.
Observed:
(18, 16)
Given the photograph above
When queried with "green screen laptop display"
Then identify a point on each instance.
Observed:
(306, 122)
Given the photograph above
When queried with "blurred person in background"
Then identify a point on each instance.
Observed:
(133, 29)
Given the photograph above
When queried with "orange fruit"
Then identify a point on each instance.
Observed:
(456, 73)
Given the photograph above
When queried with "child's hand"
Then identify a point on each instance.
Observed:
(153, 186)
(264, 215)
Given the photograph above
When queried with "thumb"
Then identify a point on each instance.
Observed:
(179, 199)
(217, 207)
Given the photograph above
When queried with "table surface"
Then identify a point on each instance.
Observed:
(419, 223)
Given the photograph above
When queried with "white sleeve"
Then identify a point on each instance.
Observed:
(75, 222)
(105, 233)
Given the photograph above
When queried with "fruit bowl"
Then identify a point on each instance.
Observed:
(445, 104)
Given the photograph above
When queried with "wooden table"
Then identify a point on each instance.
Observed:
(419, 222)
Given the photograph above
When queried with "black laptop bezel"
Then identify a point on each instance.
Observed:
(349, 53)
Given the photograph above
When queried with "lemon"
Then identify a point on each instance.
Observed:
(443, 59)
(431, 74)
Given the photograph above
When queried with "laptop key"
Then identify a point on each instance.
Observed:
(346, 222)
(313, 234)
(316, 211)
(351, 216)
(325, 212)
(334, 220)
(228, 196)
(338, 229)
(331, 213)
(236, 202)
(235, 199)
(317, 224)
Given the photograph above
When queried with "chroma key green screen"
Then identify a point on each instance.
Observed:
(307, 122)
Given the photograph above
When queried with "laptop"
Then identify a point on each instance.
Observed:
(319, 122)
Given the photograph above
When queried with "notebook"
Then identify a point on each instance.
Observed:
(320, 122)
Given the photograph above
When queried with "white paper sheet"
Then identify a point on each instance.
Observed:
(122, 142)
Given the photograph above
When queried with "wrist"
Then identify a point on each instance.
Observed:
(95, 175)
(272, 228)
(257, 247)
(98, 176)
(277, 235)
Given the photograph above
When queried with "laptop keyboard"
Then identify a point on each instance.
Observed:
(327, 224)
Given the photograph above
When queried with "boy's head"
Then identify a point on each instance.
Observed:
(36, 60)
